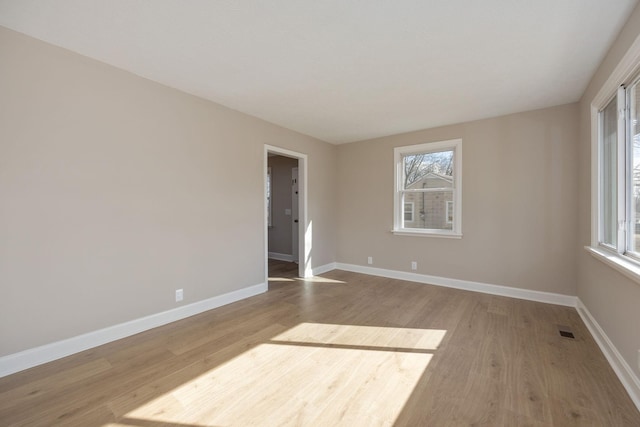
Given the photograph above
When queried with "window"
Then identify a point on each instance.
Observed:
(408, 212)
(618, 213)
(428, 189)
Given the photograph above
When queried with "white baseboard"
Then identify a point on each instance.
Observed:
(627, 377)
(546, 297)
(281, 257)
(323, 268)
(36, 356)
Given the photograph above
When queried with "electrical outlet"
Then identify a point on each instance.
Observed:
(370, 260)
(179, 295)
(414, 265)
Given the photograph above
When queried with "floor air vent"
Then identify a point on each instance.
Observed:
(566, 334)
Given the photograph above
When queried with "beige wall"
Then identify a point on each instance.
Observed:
(280, 232)
(518, 203)
(611, 298)
(115, 191)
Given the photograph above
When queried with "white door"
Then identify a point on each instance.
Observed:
(295, 224)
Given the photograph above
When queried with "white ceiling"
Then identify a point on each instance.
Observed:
(344, 70)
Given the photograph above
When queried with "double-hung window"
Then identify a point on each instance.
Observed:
(618, 174)
(428, 189)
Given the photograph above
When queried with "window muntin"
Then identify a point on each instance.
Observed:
(428, 179)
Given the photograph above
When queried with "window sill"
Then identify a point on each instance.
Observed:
(427, 234)
(618, 262)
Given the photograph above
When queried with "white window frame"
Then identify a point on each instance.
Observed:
(454, 145)
(625, 74)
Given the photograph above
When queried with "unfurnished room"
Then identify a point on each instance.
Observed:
(319, 213)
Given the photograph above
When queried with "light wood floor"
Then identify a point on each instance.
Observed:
(283, 270)
(344, 349)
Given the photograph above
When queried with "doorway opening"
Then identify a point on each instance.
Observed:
(286, 247)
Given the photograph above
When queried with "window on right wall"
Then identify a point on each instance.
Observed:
(428, 189)
(618, 214)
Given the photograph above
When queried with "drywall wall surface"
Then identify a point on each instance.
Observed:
(611, 298)
(519, 203)
(116, 191)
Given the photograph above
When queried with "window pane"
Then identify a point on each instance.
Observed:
(449, 212)
(432, 209)
(428, 170)
(634, 220)
(408, 213)
(608, 184)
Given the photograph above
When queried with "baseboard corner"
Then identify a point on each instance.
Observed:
(323, 268)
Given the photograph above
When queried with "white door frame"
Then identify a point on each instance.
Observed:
(295, 215)
(304, 241)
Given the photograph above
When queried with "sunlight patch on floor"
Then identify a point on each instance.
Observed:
(287, 383)
(280, 279)
(355, 335)
(278, 385)
(317, 279)
(314, 279)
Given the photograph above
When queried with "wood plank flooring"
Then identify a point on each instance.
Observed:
(341, 349)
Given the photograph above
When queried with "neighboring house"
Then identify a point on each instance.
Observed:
(431, 209)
